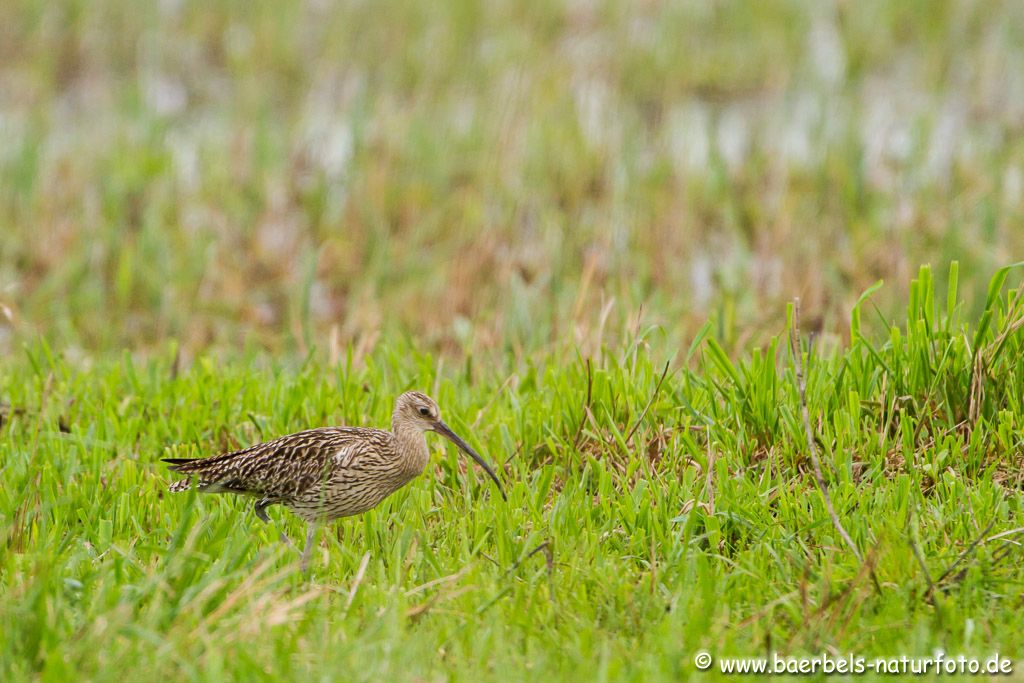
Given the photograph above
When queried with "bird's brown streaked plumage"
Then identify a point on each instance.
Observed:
(330, 472)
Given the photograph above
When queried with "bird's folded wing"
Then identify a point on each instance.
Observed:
(283, 467)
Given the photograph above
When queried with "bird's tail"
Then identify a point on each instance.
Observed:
(211, 475)
(178, 464)
(180, 485)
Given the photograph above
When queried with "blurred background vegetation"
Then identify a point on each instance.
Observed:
(494, 177)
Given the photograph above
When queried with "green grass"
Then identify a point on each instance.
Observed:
(221, 222)
(654, 557)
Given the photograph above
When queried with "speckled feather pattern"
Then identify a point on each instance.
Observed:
(319, 474)
(330, 472)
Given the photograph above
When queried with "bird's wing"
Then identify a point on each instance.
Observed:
(286, 466)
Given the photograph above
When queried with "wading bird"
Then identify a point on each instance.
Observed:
(331, 472)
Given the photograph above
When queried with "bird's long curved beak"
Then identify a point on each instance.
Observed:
(446, 431)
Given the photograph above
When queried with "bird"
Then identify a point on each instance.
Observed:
(327, 473)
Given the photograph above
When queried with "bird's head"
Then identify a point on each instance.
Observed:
(419, 411)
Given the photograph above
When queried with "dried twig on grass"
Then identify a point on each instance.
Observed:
(919, 556)
(586, 408)
(647, 407)
(985, 358)
(967, 551)
(794, 340)
(709, 482)
(549, 560)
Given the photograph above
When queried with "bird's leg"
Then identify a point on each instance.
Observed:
(310, 535)
(260, 508)
(288, 542)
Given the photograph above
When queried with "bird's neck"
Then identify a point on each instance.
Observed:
(411, 446)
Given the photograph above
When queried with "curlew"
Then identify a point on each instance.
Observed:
(331, 472)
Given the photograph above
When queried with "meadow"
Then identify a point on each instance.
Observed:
(730, 292)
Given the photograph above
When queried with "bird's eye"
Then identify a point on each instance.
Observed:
(424, 411)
